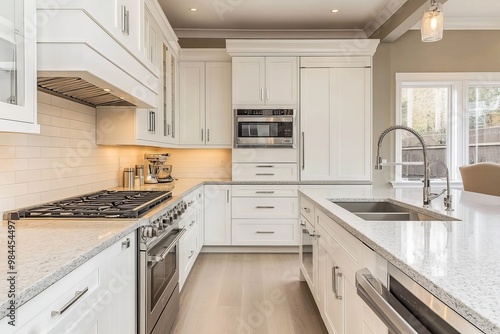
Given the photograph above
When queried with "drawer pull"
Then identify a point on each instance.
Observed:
(190, 203)
(192, 223)
(265, 232)
(264, 174)
(78, 295)
(126, 243)
(264, 207)
(264, 192)
(190, 256)
(265, 166)
(307, 210)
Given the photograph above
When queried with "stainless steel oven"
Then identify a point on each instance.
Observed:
(406, 307)
(159, 272)
(269, 128)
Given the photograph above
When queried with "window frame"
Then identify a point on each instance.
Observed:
(457, 138)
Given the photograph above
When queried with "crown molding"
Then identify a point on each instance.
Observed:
(302, 47)
(263, 34)
(202, 54)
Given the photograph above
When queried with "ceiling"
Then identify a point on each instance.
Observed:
(313, 18)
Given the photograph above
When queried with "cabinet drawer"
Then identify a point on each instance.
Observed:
(271, 232)
(307, 209)
(264, 191)
(85, 281)
(265, 207)
(265, 172)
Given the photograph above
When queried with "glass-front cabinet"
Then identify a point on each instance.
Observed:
(18, 66)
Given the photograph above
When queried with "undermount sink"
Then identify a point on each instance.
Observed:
(387, 211)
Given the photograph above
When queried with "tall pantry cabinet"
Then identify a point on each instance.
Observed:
(335, 122)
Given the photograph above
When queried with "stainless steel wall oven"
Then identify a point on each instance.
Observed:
(269, 128)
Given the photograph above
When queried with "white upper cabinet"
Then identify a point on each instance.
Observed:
(335, 121)
(18, 66)
(205, 101)
(265, 80)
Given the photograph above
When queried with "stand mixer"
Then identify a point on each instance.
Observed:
(155, 168)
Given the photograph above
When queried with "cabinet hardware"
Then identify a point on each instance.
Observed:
(227, 196)
(190, 203)
(264, 192)
(192, 223)
(303, 225)
(126, 243)
(190, 256)
(265, 232)
(307, 210)
(303, 151)
(124, 15)
(268, 94)
(208, 135)
(202, 135)
(265, 166)
(78, 295)
(264, 207)
(335, 282)
(264, 174)
(262, 94)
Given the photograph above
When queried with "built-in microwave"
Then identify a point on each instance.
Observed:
(268, 128)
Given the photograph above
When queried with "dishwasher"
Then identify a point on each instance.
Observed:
(407, 308)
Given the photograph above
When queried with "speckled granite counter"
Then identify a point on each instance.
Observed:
(457, 261)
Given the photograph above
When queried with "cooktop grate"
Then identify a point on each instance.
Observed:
(101, 204)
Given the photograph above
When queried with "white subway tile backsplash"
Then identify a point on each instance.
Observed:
(64, 160)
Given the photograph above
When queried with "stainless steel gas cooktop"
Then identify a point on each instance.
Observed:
(101, 204)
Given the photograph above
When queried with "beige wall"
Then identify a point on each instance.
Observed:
(64, 160)
(458, 51)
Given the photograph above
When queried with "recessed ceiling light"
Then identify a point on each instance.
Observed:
(193, 9)
(334, 11)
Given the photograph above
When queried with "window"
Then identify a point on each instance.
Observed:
(457, 114)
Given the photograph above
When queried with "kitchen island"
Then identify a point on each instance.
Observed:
(457, 261)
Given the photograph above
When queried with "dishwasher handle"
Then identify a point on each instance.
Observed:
(377, 297)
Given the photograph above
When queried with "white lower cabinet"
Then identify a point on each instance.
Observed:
(217, 205)
(191, 242)
(97, 297)
(265, 215)
(339, 256)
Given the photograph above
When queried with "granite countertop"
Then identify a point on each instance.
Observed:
(457, 261)
(49, 249)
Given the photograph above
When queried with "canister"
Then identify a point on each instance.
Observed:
(139, 171)
(128, 177)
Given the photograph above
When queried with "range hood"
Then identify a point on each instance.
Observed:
(79, 60)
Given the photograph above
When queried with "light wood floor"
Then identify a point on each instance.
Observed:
(247, 294)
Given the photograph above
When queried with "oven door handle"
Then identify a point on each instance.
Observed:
(265, 119)
(372, 292)
(160, 258)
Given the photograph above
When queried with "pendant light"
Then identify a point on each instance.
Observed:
(432, 23)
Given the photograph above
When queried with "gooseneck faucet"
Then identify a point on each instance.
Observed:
(426, 191)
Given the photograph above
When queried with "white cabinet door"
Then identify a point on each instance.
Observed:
(217, 203)
(265, 80)
(205, 99)
(18, 66)
(248, 80)
(192, 101)
(281, 80)
(336, 113)
(122, 284)
(168, 94)
(218, 103)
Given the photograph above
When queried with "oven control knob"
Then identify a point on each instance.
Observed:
(167, 221)
(147, 232)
